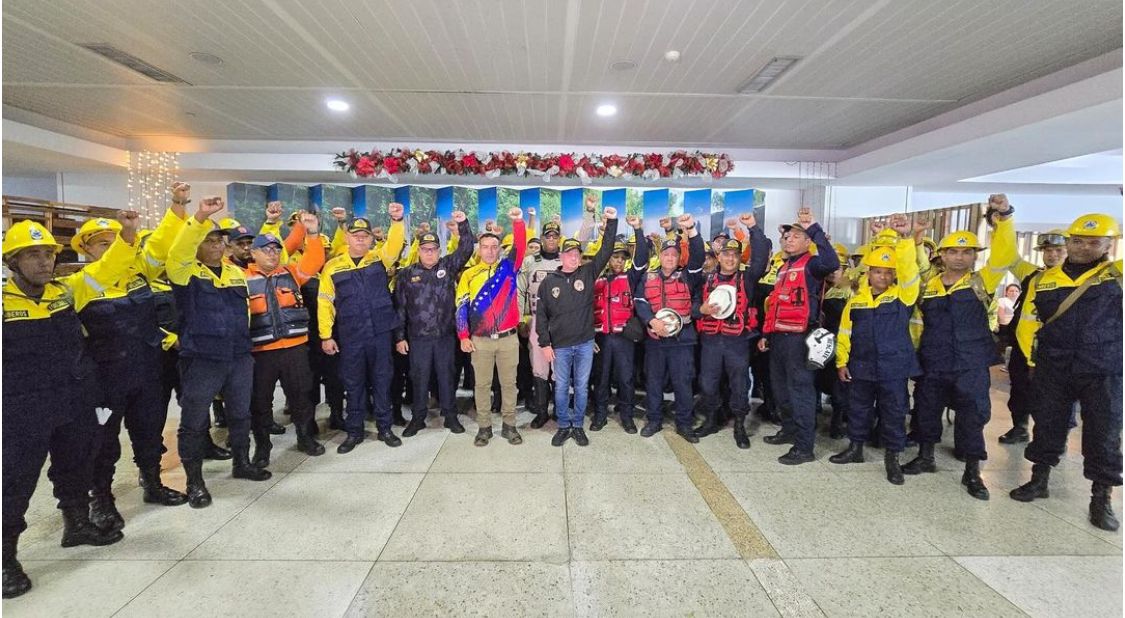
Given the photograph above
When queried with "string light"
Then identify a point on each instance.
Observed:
(151, 175)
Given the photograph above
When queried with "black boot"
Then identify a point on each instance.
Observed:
(416, 424)
(781, 437)
(1101, 509)
(348, 444)
(16, 582)
(1015, 435)
(307, 444)
(262, 448)
(894, 471)
(453, 424)
(387, 436)
(627, 423)
(562, 434)
(1036, 487)
(709, 426)
(852, 454)
(220, 413)
(972, 481)
(216, 452)
(156, 492)
(542, 401)
(599, 422)
(241, 468)
(741, 439)
(336, 418)
(103, 510)
(924, 462)
(197, 494)
(79, 530)
(276, 428)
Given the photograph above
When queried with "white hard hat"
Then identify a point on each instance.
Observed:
(673, 319)
(822, 346)
(723, 297)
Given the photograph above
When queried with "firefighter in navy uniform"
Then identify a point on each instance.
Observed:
(215, 358)
(667, 355)
(1076, 356)
(613, 308)
(955, 347)
(725, 344)
(48, 399)
(791, 310)
(425, 297)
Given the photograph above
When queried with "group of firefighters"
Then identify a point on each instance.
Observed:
(220, 315)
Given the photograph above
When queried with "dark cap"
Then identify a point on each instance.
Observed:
(731, 245)
(429, 238)
(793, 226)
(266, 239)
(359, 224)
(620, 247)
(570, 244)
(552, 227)
(238, 233)
(722, 235)
(534, 239)
(670, 243)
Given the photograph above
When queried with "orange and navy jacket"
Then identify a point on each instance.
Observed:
(486, 293)
(301, 270)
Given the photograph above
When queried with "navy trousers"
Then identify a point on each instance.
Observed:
(721, 355)
(615, 366)
(794, 387)
(367, 365)
(433, 358)
(964, 391)
(893, 402)
(134, 391)
(664, 362)
(200, 380)
(1054, 391)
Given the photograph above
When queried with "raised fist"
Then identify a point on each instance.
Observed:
(923, 222)
(805, 217)
(730, 222)
(556, 218)
(998, 201)
(129, 220)
(459, 217)
(685, 221)
(666, 223)
(311, 222)
(273, 212)
(591, 203)
(531, 211)
(515, 214)
(394, 209)
(876, 227)
(181, 193)
(339, 214)
(610, 212)
(209, 206)
(490, 226)
(748, 219)
(900, 223)
(634, 221)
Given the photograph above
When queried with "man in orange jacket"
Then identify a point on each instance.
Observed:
(279, 333)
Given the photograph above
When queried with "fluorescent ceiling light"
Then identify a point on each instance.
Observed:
(768, 74)
(607, 110)
(337, 105)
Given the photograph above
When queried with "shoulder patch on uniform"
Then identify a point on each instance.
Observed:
(1050, 285)
(15, 315)
(58, 304)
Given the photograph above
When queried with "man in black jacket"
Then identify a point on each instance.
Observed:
(425, 300)
(564, 325)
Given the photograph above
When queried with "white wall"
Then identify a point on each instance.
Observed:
(781, 208)
(106, 189)
(44, 187)
(1034, 212)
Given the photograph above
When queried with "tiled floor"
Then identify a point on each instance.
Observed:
(623, 527)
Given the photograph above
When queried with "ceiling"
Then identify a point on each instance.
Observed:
(533, 71)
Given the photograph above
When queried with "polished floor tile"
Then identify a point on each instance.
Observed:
(483, 517)
(612, 451)
(415, 455)
(668, 588)
(464, 589)
(789, 597)
(641, 516)
(1054, 585)
(194, 589)
(354, 513)
(535, 454)
(65, 588)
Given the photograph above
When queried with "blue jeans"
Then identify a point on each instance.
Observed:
(572, 369)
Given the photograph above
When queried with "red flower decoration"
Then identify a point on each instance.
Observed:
(391, 165)
(566, 165)
(365, 167)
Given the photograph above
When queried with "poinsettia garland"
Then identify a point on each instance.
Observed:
(546, 166)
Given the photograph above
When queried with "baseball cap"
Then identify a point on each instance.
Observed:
(620, 247)
(670, 243)
(552, 227)
(731, 245)
(793, 226)
(359, 224)
(429, 238)
(266, 239)
(570, 244)
(238, 233)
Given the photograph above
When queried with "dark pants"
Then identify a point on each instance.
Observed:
(364, 365)
(1019, 391)
(669, 362)
(794, 388)
(615, 363)
(893, 401)
(433, 358)
(133, 390)
(964, 391)
(291, 367)
(721, 355)
(200, 380)
(760, 365)
(27, 440)
(169, 377)
(401, 384)
(1054, 391)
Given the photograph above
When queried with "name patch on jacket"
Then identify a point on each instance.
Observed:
(15, 315)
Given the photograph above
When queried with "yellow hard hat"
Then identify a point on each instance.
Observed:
(91, 228)
(228, 223)
(962, 239)
(841, 249)
(1051, 238)
(861, 251)
(929, 242)
(507, 242)
(1095, 224)
(26, 234)
(880, 257)
(885, 238)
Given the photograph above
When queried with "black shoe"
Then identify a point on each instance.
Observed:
(276, 429)
(1101, 508)
(413, 427)
(197, 494)
(216, 452)
(1036, 487)
(16, 582)
(579, 436)
(852, 454)
(894, 470)
(241, 468)
(780, 437)
(795, 457)
(155, 492)
(336, 419)
(741, 439)
(308, 444)
(598, 423)
(389, 438)
(484, 434)
(79, 530)
(509, 433)
(453, 425)
(924, 462)
(103, 511)
(687, 433)
(540, 419)
(262, 448)
(972, 481)
(1015, 435)
(561, 435)
(628, 425)
(707, 428)
(651, 429)
(348, 444)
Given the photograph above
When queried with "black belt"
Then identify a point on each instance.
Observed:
(501, 334)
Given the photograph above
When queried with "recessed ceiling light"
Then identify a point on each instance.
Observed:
(337, 105)
(623, 65)
(607, 110)
(672, 55)
(206, 58)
